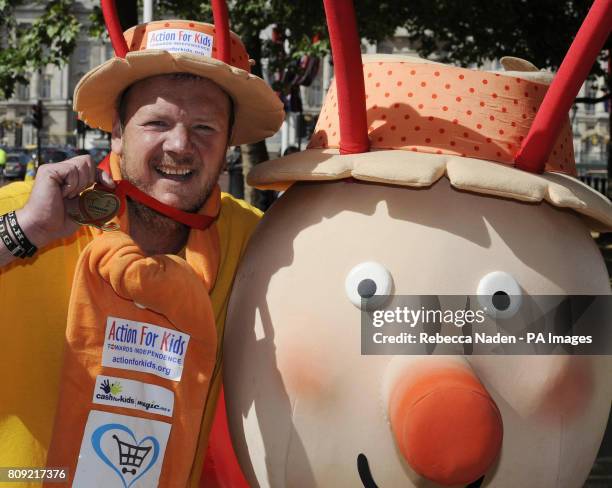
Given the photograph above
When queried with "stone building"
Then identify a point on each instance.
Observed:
(591, 125)
(54, 87)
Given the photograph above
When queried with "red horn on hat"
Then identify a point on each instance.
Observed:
(115, 32)
(346, 49)
(113, 26)
(222, 32)
(574, 69)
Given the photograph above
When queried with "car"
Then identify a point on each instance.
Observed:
(16, 163)
(56, 155)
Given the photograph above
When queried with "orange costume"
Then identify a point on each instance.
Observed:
(34, 300)
(139, 337)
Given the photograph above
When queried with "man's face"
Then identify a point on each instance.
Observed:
(173, 142)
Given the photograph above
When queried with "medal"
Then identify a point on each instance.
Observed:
(95, 207)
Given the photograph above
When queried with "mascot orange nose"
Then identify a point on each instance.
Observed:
(446, 425)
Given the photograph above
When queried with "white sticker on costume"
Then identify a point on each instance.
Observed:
(118, 451)
(121, 392)
(180, 40)
(139, 346)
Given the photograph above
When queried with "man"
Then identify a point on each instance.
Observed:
(172, 116)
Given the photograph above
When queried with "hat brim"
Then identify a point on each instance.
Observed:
(407, 168)
(258, 110)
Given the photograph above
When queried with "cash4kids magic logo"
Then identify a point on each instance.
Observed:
(110, 389)
(133, 394)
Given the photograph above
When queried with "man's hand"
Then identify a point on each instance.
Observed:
(44, 217)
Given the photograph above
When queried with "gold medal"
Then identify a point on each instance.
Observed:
(95, 207)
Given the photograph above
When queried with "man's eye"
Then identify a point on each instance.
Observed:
(156, 123)
(204, 128)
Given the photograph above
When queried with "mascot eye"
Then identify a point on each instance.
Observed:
(500, 294)
(368, 281)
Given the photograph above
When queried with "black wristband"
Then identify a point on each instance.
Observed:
(13, 246)
(23, 241)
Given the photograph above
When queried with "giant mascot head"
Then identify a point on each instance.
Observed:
(460, 193)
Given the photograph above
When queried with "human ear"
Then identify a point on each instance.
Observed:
(117, 136)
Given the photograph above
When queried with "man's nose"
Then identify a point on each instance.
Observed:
(178, 141)
(445, 424)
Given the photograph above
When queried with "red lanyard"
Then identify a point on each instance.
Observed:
(125, 188)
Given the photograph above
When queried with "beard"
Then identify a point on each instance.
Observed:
(153, 220)
(150, 218)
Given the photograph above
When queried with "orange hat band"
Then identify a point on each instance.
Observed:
(187, 37)
(440, 109)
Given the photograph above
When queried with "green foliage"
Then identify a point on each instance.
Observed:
(96, 28)
(50, 39)
(301, 24)
(465, 32)
(471, 31)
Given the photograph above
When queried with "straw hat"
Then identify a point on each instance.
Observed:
(427, 120)
(177, 46)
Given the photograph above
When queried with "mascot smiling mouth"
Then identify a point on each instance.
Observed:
(363, 468)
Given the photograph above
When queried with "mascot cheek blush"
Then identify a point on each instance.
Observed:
(445, 202)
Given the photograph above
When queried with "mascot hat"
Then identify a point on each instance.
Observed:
(504, 134)
(177, 46)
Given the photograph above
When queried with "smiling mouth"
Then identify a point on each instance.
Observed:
(174, 173)
(363, 468)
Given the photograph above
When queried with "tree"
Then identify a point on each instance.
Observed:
(50, 39)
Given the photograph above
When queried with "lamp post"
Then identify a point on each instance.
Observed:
(38, 115)
(147, 14)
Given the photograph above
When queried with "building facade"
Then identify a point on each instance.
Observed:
(54, 87)
(591, 126)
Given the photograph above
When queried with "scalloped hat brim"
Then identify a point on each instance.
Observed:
(410, 169)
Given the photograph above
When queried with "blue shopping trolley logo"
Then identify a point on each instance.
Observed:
(133, 457)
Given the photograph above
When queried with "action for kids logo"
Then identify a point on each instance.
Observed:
(149, 348)
(180, 40)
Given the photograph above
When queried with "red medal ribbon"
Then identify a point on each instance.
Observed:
(125, 188)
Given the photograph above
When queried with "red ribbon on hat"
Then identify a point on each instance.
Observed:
(574, 69)
(113, 26)
(125, 188)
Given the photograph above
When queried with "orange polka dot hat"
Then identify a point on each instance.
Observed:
(434, 109)
(408, 121)
(427, 120)
(180, 46)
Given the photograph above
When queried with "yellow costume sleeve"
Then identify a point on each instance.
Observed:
(34, 295)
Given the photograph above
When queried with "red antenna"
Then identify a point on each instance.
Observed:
(538, 144)
(348, 70)
(222, 31)
(113, 26)
(221, 20)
